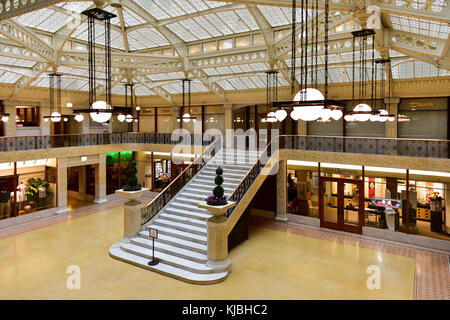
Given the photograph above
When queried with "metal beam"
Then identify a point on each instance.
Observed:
(24, 82)
(16, 8)
(26, 38)
(340, 5)
(205, 80)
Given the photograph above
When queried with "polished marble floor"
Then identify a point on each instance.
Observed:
(277, 262)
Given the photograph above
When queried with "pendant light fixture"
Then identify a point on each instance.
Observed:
(4, 117)
(309, 103)
(129, 87)
(99, 110)
(362, 111)
(185, 116)
(382, 115)
(272, 97)
(55, 99)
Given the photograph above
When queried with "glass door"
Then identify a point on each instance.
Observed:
(341, 204)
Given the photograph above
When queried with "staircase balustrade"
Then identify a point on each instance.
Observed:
(157, 204)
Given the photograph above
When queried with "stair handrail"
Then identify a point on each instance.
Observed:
(250, 177)
(163, 198)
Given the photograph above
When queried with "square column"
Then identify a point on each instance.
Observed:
(392, 108)
(175, 114)
(228, 116)
(447, 208)
(281, 191)
(302, 127)
(61, 186)
(100, 180)
(10, 126)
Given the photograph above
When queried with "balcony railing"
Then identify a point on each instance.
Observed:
(361, 145)
(365, 145)
(19, 143)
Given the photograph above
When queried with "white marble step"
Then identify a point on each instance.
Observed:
(168, 270)
(246, 166)
(226, 174)
(210, 180)
(168, 259)
(233, 171)
(160, 221)
(180, 234)
(205, 192)
(169, 249)
(204, 175)
(197, 196)
(183, 219)
(209, 186)
(187, 210)
(185, 244)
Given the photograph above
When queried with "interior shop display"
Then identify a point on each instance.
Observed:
(37, 193)
(389, 208)
(132, 182)
(5, 207)
(436, 211)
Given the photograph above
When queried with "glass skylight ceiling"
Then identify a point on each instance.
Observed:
(190, 20)
(415, 25)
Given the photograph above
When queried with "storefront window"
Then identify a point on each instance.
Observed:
(27, 116)
(35, 183)
(117, 170)
(303, 189)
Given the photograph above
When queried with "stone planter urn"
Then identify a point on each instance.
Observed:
(217, 236)
(132, 212)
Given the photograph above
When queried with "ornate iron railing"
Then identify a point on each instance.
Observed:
(19, 143)
(157, 204)
(364, 145)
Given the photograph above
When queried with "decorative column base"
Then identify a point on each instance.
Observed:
(132, 213)
(100, 201)
(282, 218)
(218, 237)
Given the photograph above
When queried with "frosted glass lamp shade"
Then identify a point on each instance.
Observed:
(55, 117)
(101, 117)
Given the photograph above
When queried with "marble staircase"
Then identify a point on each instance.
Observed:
(181, 246)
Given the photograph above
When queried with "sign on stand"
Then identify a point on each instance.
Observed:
(153, 234)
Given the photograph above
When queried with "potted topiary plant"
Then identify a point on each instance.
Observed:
(132, 190)
(217, 204)
(132, 182)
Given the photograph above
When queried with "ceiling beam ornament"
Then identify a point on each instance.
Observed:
(340, 5)
(157, 89)
(265, 28)
(10, 9)
(411, 42)
(231, 59)
(26, 38)
(206, 81)
(425, 11)
(24, 82)
(283, 46)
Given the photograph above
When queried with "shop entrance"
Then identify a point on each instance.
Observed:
(338, 210)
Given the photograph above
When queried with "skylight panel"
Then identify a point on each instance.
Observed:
(211, 71)
(224, 70)
(236, 69)
(198, 87)
(44, 19)
(40, 82)
(219, 24)
(273, 15)
(9, 77)
(195, 29)
(423, 69)
(186, 6)
(237, 83)
(143, 91)
(248, 19)
(77, 6)
(132, 19)
(225, 85)
(170, 7)
(153, 9)
(248, 82)
(172, 88)
(414, 25)
(258, 81)
(208, 26)
(259, 66)
(143, 38)
(199, 5)
(233, 21)
(181, 32)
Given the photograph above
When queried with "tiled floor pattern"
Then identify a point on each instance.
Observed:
(114, 200)
(293, 264)
(431, 269)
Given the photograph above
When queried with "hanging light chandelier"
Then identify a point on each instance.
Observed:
(4, 117)
(55, 99)
(99, 110)
(382, 115)
(309, 104)
(272, 97)
(128, 117)
(186, 117)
